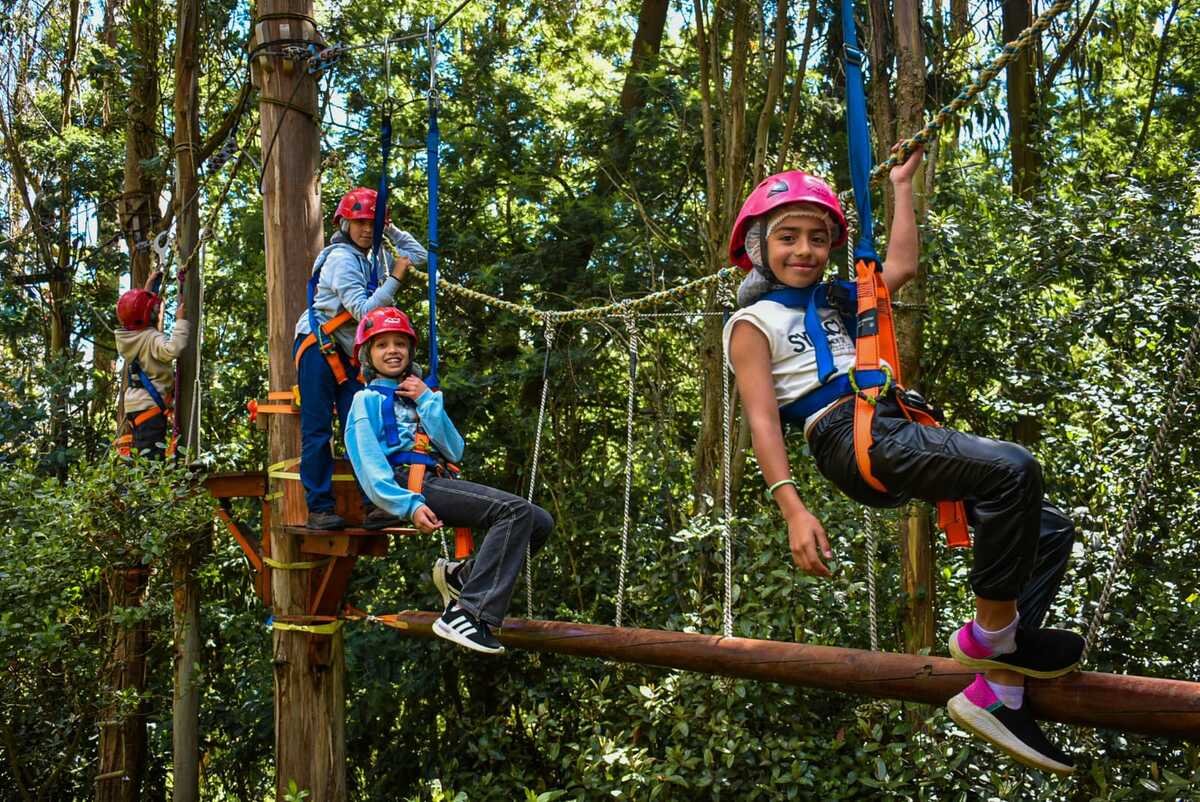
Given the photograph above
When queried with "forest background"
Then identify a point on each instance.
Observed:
(592, 152)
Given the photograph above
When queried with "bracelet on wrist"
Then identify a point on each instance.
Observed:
(789, 481)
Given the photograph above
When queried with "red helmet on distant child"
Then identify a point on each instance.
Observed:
(380, 321)
(357, 204)
(135, 309)
(778, 190)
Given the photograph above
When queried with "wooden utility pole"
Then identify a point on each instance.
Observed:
(916, 544)
(190, 552)
(310, 746)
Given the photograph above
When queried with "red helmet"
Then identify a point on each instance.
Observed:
(379, 321)
(357, 204)
(135, 309)
(778, 190)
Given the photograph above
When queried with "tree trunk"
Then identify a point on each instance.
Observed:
(1021, 94)
(915, 535)
(186, 558)
(122, 766)
(310, 744)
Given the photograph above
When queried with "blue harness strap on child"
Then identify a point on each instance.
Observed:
(146, 384)
(321, 335)
(840, 296)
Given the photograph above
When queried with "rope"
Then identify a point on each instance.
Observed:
(1008, 54)
(537, 455)
(872, 610)
(631, 325)
(620, 309)
(727, 518)
(1145, 484)
(303, 565)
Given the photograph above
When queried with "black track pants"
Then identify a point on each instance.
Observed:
(1022, 543)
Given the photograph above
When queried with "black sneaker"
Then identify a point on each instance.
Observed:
(448, 579)
(459, 626)
(379, 518)
(1013, 732)
(325, 520)
(1042, 653)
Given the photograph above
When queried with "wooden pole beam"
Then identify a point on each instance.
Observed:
(1128, 703)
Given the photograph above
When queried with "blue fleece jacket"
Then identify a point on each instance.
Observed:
(345, 272)
(367, 446)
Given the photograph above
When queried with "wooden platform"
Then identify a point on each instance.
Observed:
(1127, 703)
(346, 542)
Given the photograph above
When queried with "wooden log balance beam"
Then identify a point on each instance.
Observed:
(1127, 703)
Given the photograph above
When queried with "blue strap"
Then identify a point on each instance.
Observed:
(811, 299)
(799, 410)
(391, 432)
(148, 385)
(313, 324)
(858, 136)
(432, 143)
(381, 201)
(398, 458)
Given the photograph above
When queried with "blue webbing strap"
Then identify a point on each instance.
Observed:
(432, 143)
(811, 299)
(381, 201)
(391, 432)
(313, 324)
(814, 401)
(858, 136)
(148, 385)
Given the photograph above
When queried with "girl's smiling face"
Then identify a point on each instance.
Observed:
(798, 250)
(390, 353)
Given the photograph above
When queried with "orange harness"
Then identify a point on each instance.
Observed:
(328, 347)
(876, 350)
(464, 542)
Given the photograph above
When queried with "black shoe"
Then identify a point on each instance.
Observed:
(1013, 732)
(379, 518)
(1042, 653)
(447, 577)
(459, 626)
(325, 520)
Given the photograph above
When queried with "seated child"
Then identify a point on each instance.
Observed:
(344, 287)
(149, 363)
(783, 237)
(387, 421)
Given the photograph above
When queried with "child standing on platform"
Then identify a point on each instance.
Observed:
(783, 238)
(398, 423)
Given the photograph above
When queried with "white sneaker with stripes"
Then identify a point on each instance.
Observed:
(459, 626)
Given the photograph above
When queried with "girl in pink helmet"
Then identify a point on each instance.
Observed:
(397, 423)
(791, 347)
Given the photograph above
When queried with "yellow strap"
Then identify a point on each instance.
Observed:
(316, 629)
(287, 463)
(282, 475)
(299, 566)
(273, 496)
(344, 477)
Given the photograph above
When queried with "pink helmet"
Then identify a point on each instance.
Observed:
(379, 321)
(778, 190)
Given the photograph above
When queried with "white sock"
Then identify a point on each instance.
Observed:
(1013, 696)
(1000, 641)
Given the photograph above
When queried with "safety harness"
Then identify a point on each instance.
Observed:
(322, 335)
(136, 377)
(421, 457)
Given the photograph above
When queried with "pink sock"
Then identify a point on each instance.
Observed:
(1013, 696)
(999, 641)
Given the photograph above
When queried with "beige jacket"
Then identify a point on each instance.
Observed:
(157, 353)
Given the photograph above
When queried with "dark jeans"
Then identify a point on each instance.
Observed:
(1022, 543)
(512, 523)
(320, 396)
(150, 437)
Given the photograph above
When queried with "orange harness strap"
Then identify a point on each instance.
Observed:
(328, 347)
(464, 542)
(876, 350)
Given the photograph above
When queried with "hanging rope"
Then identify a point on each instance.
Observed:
(872, 611)
(631, 326)
(1008, 54)
(537, 456)
(1130, 529)
(727, 518)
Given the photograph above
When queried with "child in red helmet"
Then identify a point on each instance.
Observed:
(149, 362)
(389, 424)
(792, 350)
(345, 285)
